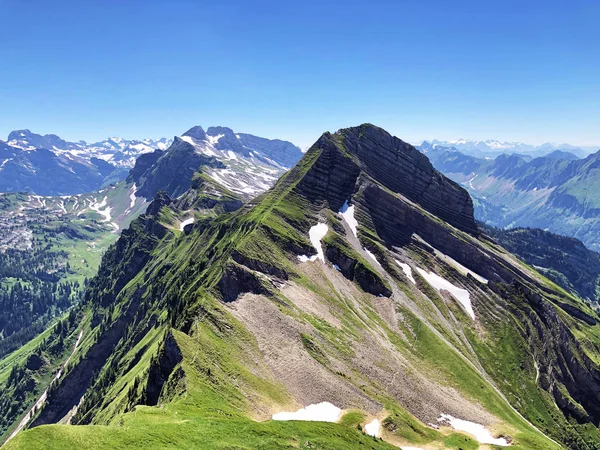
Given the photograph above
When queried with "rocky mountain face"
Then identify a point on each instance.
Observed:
(244, 165)
(249, 164)
(171, 171)
(398, 166)
(358, 290)
(558, 192)
(564, 260)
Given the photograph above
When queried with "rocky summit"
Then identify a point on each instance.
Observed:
(351, 157)
(354, 304)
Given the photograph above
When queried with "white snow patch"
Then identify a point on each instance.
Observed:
(185, 222)
(439, 283)
(201, 147)
(188, 139)
(132, 196)
(371, 255)
(372, 428)
(104, 212)
(316, 233)
(304, 258)
(462, 269)
(320, 412)
(347, 213)
(471, 182)
(231, 154)
(407, 271)
(481, 433)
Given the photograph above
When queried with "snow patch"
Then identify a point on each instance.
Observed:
(481, 433)
(347, 213)
(201, 147)
(304, 258)
(188, 139)
(471, 182)
(439, 283)
(462, 269)
(185, 222)
(316, 233)
(371, 255)
(372, 428)
(231, 154)
(132, 196)
(407, 271)
(320, 412)
(104, 212)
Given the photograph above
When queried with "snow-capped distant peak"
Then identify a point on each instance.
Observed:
(458, 141)
(116, 150)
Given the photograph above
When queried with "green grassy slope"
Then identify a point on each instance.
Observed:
(195, 330)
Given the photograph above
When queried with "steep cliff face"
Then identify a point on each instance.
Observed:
(348, 282)
(396, 165)
(142, 164)
(564, 260)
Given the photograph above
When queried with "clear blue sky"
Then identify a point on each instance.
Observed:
(510, 70)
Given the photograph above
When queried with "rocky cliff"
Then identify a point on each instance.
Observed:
(396, 165)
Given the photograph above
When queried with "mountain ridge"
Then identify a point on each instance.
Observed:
(343, 283)
(492, 148)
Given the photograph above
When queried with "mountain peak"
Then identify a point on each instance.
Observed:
(225, 131)
(19, 134)
(196, 132)
(370, 151)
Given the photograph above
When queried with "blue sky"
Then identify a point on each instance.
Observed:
(509, 70)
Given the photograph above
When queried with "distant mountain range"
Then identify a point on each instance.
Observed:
(48, 165)
(115, 150)
(492, 148)
(558, 192)
(45, 172)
